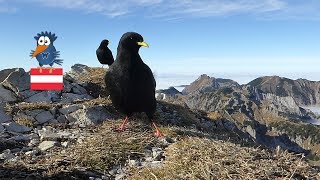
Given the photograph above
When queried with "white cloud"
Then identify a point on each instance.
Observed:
(177, 9)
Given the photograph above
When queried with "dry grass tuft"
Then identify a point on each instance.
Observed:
(202, 158)
(94, 75)
(215, 116)
(25, 121)
(18, 107)
(103, 149)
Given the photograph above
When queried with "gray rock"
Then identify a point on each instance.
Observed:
(77, 70)
(32, 153)
(32, 113)
(62, 119)
(70, 97)
(27, 93)
(4, 117)
(78, 89)
(67, 87)
(53, 121)
(52, 134)
(44, 117)
(45, 145)
(15, 150)
(155, 164)
(65, 144)
(134, 162)
(44, 96)
(21, 138)
(90, 116)
(252, 132)
(7, 155)
(34, 142)
(14, 127)
(157, 154)
(69, 109)
(6, 95)
(166, 141)
(16, 79)
(1, 128)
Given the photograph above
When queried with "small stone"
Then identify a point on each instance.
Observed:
(155, 164)
(77, 89)
(120, 176)
(4, 117)
(15, 150)
(69, 109)
(6, 95)
(134, 163)
(25, 149)
(34, 142)
(166, 141)
(44, 117)
(45, 145)
(44, 96)
(15, 159)
(14, 127)
(157, 154)
(62, 119)
(32, 153)
(21, 138)
(6, 155)
(65, 144)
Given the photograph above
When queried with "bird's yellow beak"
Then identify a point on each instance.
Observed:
(143, 44)
(39, 50)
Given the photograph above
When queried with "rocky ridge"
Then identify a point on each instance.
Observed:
(69, 134)
(258, 112)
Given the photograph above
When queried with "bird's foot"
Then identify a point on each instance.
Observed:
(122, 127)
(50, 70)
(158, 132)
(40, 69)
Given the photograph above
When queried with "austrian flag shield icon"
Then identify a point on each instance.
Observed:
(46, 80)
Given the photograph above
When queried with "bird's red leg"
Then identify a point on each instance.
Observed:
(122, 127)
(51, 69)
(40, 69)
(158, 132)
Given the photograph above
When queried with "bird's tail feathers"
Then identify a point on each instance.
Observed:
(58, 61)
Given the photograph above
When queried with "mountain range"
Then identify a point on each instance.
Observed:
(267, 105)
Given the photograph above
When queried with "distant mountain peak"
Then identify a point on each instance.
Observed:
(206, 83)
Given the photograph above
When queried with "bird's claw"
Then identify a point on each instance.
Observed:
(51, 69)
(159, 134)
(119, 129)
(40, 69)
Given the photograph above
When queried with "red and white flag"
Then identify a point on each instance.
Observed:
(45, 80)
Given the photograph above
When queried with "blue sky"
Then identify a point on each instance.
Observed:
(237, 39)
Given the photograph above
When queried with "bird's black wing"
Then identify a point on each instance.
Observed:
(105, 56)
(144, 90)
(113, 82)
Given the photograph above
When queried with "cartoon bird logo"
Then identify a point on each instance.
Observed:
(46, 53)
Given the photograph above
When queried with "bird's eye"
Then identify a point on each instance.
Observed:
(41, 41)
(131, 38)
(46, 41)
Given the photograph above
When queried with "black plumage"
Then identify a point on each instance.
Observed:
(104, 54)
(130, 81)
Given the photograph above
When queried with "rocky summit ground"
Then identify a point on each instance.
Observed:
(69, 135)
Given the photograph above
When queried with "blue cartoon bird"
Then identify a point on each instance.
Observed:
(46, 53)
